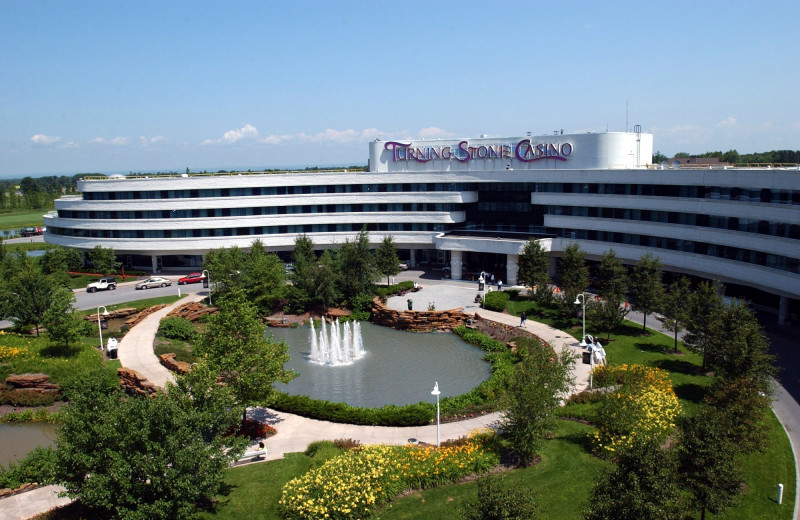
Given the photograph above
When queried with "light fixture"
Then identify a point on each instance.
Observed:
(436, 392)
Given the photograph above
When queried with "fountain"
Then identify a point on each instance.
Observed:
(341, 345)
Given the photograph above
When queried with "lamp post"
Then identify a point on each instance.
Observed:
(436, 392)
(581, 298)
(592, 347)
(99, 326)
(208, 281)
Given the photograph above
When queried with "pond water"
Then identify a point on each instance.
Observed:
(18, 439)
(399, 367)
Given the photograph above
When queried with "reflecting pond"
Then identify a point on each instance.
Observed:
(399, 367)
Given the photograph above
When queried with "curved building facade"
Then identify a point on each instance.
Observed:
(466, 202)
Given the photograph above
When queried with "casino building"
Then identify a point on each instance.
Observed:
(470, 205)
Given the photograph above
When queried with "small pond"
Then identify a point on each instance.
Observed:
(18, 439)
(399, 367)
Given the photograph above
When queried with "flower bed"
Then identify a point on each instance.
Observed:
(643, 406)
(356, 484)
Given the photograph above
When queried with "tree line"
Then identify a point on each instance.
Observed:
(734, 157)
(36, 192)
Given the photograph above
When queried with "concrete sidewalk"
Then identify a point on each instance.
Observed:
(135, 350)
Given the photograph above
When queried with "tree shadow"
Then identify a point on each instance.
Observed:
(690, 392)
(652, 347)
(222, 498)
(578, 439)
(60, 351)
(678, 365)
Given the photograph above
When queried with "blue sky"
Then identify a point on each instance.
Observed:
(160, 86)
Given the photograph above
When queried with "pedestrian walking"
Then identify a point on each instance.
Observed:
(522, 319)
(499, 285)
(492, 279)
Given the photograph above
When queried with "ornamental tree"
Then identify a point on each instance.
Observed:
(534, 270)
(739, 348)
(705, 306)
(357, 267)
(643, 484)
(708, 469)
(675, 308)
(646, 287)
(63, 325)
(386, 260)
(573, 275)
(158, 457)
(535, 388)
(26, 292)
(236, 348)
(103, 259)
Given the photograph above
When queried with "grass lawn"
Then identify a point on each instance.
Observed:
(12, 219)
(253, 491)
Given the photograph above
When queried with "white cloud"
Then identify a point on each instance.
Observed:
(45, 140)
(433, 132)
(114, 141)
(232, 136)
(729, 122)
(144, 141)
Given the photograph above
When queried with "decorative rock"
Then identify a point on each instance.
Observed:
(135, 383)
(192, 311)
(168, 360)
(420, 321)
(38, 382)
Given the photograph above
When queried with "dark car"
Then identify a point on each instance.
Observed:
(192, 278)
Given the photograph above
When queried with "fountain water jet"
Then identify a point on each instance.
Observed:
(336, 345)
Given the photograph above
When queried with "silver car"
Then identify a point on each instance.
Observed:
(154, 282)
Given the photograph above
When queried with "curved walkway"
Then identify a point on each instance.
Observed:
(135, 350)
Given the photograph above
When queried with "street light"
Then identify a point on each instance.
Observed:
(581, 298)
(99, 326)
(208, 281)
(436, 392)
(591, 362)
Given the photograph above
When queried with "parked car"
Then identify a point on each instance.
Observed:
(103, 284)
(30, 231)
(191, 278)
(156, 281)
(403, 266)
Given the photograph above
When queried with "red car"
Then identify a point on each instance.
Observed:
(192, 278)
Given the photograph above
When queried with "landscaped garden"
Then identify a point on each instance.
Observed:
(670, 432)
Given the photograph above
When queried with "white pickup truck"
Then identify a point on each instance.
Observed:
(103, 284)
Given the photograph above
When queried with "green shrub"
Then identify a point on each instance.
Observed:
(177, 327)
(27, 397)
(398, 288)
(361, 302)
(37, 467)
(496, 301)
(322, 452)
(479, 339)
(390, 415)
(500, 501)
